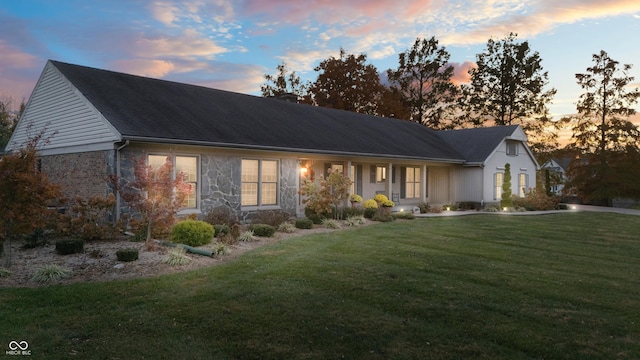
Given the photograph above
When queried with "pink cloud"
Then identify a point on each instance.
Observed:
(189, 43)
(17, 74)
(143, 67)
(461, 72)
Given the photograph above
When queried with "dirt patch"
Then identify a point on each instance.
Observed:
(99, 261)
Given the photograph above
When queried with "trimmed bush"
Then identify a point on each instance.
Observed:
(126, 255)
(221, 215)
(305, 223)
(221, 230)
(314, 216)
(192, 233)
(270, 217)
(69, 246)
(348, 212)
(262, 230)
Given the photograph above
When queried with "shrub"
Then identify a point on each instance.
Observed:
(177, 256)
(305, 223)
(331, 224)
(537, 201)
(382, 216)
(4, 272)
(263, 230)
(380, 198)
(69, 246)
(127, 254)
(437, 209)
(369, 212)
(314, 216)
(270, 217)
(89, 218)
(286, 227)
(220, 248)
(221, 215)
(406, 215)
(424, 207)
(192, 233)
(355, 220)
(352, 211)
(370, 204)
(247, 236)
(221, 229)
(47, 273)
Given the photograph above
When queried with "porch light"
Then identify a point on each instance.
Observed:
(303, 171)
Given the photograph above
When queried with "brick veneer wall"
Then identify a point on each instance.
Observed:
(80, 174)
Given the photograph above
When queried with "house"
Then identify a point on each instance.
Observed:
(557, 174)
(251, 153)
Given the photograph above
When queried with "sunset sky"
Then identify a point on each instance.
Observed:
(230, 45)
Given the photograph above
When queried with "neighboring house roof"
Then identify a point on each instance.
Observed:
(477, 144)
(147, 109)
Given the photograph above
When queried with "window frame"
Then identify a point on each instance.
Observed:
(260, 184)
(174, 172)
(415, 184)
(498, 183)
(522, 188)
(512, 148)
(381, 173)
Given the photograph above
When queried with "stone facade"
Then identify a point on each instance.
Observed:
(220, 182)
(80, 174)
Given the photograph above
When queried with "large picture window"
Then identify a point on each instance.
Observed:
(259, 182)
(186, 165)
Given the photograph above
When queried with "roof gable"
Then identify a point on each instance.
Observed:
(67, 118)
(477, 144)
(156, 110)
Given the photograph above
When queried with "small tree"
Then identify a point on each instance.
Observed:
(284, 82)
(326, 197)
(154, 193)
(506, 200)
(25, 193)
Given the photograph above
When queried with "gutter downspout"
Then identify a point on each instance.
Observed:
(118, 174)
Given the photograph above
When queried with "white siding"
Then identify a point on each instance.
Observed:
(466, 184)
(70, 120)
(439, 185)
(520, 164)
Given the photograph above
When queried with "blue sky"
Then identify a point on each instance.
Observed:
(230, 45)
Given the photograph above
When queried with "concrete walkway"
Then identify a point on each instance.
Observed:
(572, 208)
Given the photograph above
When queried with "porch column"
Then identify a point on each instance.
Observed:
(424, 183)
(388, 185)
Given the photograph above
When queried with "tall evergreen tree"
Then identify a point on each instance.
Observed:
(607, 141)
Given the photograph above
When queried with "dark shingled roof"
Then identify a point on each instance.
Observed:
(476, 144)
(156, 110)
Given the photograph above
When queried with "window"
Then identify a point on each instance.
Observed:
(498, 180)
(186, 165)
(512, 148)
(412, 183)
(259, 182)
(523, 184)
(381, 173)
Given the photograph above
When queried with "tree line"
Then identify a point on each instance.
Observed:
(508, 85)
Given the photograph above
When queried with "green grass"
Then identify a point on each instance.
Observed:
(561, 286)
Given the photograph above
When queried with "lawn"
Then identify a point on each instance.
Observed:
(557, 286)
